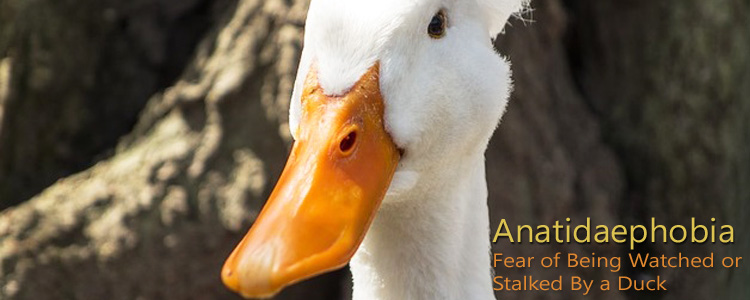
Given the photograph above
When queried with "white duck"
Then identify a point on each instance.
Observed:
(395, 102)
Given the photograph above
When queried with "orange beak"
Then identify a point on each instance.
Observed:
(318, 213)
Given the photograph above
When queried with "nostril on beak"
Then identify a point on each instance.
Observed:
(347, 143)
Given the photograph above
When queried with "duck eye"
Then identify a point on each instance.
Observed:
(436, 29)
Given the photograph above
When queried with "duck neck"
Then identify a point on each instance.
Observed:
(431, 243)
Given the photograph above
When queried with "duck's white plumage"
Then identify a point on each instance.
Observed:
(450, 91)
(443, 99)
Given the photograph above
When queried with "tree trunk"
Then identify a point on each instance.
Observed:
(77, 75)
(157, 218)
(166, 123)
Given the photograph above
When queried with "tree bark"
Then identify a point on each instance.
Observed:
(78, 73)
(621, 112)
(157, 219)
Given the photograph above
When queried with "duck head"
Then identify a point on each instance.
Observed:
(387, 92)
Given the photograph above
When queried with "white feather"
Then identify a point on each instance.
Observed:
(497, 13)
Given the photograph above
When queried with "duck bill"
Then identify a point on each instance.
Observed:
(317, 215)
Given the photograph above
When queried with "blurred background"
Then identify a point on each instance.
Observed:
(139, 138)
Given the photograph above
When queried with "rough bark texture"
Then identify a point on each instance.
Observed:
(621, 111)
(79, 72)
(157, 219)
